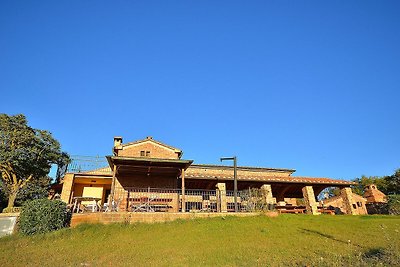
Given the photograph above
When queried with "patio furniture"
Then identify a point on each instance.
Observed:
(291, 209)
(92, 206)
(144, 204)
(114, 206)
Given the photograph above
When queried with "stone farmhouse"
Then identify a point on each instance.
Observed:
(148, 175)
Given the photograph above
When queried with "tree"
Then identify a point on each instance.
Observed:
(364, 181)
(328, 193)
(393, 183)
(3, 202)
(36, 189)
(26, 154)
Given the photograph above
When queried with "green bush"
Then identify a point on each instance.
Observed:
(43, 215)
(12, 210)
(394, 204)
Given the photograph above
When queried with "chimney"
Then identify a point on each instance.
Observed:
(117, 144)
(117, 141)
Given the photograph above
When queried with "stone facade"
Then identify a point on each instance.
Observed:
(347, 203)
(373, 195)
(267, 194)
(221, 198)
(144, 164)
(148, 148)
(310, 200)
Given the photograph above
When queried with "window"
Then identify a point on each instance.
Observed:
(142, 153)
(359, 204)
(354, 206)
(147, 153)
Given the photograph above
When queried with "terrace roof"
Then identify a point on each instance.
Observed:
(130, 165)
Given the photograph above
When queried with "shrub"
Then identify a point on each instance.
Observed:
(12, 210)
(377, 208)
(394, 204)
(391, 207)
(43, 215)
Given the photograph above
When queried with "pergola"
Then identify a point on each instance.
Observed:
(171, 173)
(167, 169)
(282, 187)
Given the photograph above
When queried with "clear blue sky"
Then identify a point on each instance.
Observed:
(310, 85)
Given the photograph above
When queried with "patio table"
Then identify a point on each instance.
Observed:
(78, 203)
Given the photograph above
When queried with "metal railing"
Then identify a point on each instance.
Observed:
(97, 164)
(196, 200)
(170, 200)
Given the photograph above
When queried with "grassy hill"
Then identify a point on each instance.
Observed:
(251, 241)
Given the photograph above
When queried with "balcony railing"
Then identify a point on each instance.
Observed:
(88, 164)
(196, 200)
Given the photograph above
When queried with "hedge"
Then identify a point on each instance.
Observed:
(43, 215)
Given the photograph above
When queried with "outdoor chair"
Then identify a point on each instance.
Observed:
(92, 207)
(104, 207)
(114, 206)
(144, 205)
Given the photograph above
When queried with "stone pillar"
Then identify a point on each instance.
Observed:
(221, 198)
(267, 195)
(309, 199)
(120, 196)
(347, 196)
(175, 202)
(68, 182)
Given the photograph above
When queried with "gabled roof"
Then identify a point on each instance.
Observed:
(150, 139)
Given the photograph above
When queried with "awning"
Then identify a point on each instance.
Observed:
(153, 166)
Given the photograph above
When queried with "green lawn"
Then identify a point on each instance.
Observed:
(286, 240)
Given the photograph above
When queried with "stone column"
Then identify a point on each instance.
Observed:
(120, 196)
(221, 198)
(267, 195)
(347, 196)
(309, 199)
(67, 187)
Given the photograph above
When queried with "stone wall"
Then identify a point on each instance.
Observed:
(149, 217)
(310, 201)
(347, 203)
(156, 151)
